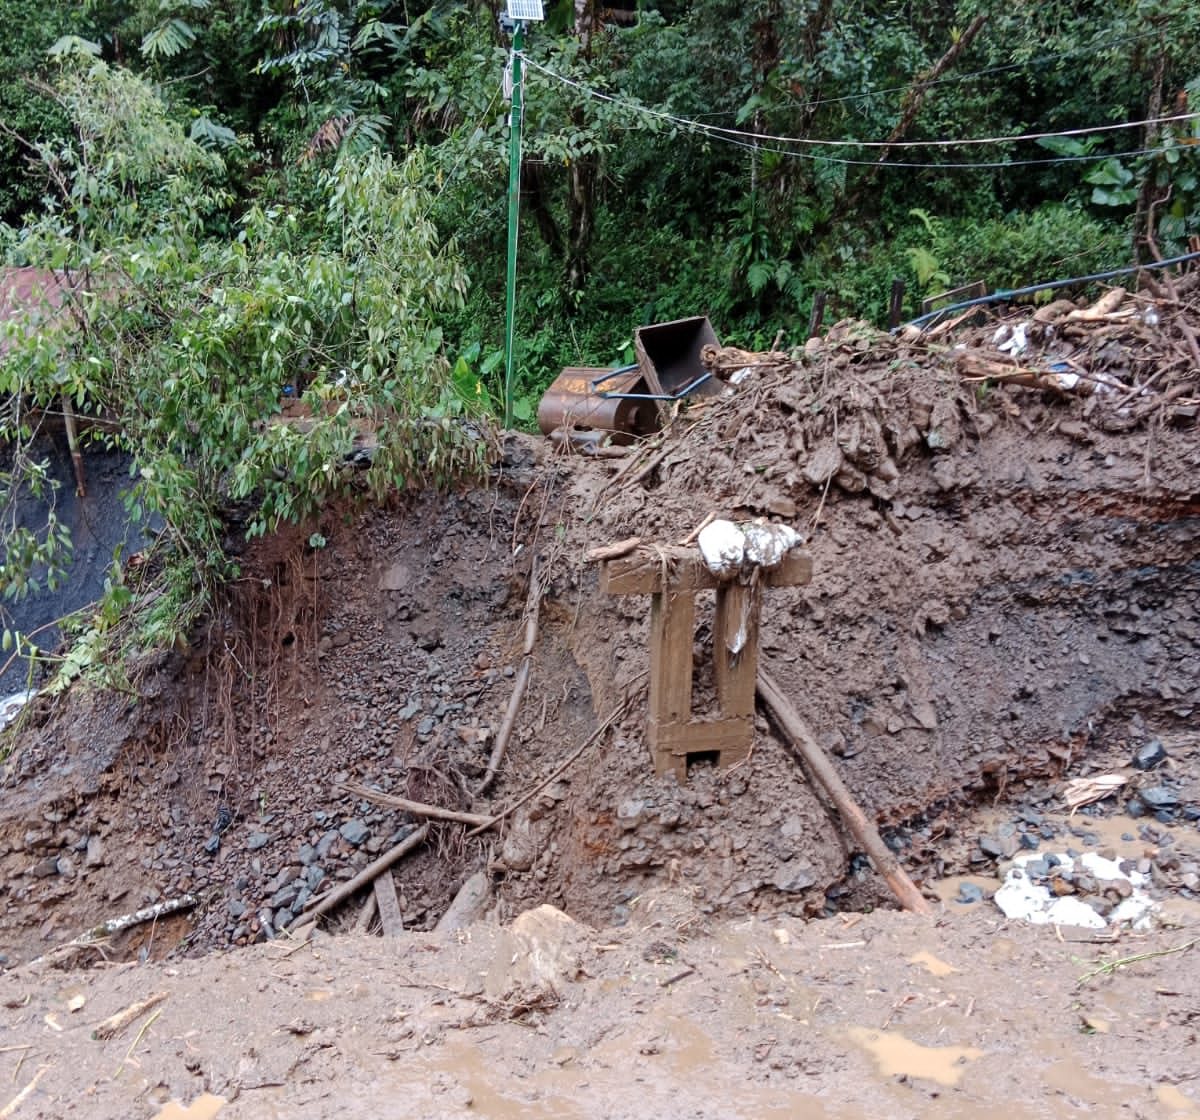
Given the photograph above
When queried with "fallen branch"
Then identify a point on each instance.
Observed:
(115, 1024)
(127, 921)
(533, 605)
(113, 926)
(863, 831)
(317, 907)
(1109, 967)
(612, 718)
(417, 808)
(12, 1106)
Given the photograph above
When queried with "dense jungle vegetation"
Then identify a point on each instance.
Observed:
(253, 197)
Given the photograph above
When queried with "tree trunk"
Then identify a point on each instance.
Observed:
(581, 207)
(582, 175)
(1143, 233)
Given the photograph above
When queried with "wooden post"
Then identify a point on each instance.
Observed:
(672, 575)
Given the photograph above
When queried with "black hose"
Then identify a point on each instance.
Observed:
(1006, 294)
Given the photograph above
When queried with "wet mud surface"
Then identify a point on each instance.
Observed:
(847, 1018)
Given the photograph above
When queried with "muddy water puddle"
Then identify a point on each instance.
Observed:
(672, 1070)
(1177, 1104)
(204, 1107)
(898, 1056)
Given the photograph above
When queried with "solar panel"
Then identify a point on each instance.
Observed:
(527, 10)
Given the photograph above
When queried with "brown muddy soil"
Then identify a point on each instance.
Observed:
(1004, 595)
(1000, 584)
(849, 1018)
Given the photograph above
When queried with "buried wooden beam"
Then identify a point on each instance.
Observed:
(389, 905)
(821, 768)
(367, 875)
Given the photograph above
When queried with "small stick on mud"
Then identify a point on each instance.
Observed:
(855, 819)
(709, 518)
(558, 771)
(533, 606)
(417, 808)
(137, 1038)
(1107, 968)
(115, 1024)
(12, 1106)
(613, 551)
(321, 906)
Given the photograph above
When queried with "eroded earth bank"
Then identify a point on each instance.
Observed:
(1004, 598)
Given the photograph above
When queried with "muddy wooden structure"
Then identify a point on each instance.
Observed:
(673, 576)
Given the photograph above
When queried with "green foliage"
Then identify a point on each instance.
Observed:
(190, 341)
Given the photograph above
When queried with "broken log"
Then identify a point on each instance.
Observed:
(318, 907)
(417, 808)
(468, 905)
(818, 763)
(362, 923)
(1101, 309)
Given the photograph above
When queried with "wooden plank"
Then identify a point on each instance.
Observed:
(642, 571)
(672, 631)
(736, 674)
(389, 905)
(702, 735)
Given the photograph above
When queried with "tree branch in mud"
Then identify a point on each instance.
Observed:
(417, 808)
(533, 605)
(826, 774)
(562, 768)
(335, 897)
(115, 1024)
(113, 926)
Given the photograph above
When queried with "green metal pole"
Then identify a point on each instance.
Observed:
(515, 122)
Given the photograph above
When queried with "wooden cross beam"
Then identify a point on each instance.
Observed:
(673, 575)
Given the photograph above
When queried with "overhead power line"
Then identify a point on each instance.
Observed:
(760, 138)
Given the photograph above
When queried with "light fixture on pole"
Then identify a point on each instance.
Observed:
(520, 12)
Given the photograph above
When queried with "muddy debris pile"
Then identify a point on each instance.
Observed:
(1005, 575)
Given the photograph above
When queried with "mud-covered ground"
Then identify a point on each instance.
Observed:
(849, 1018)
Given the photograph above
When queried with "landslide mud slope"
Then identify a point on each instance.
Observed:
(999, 575)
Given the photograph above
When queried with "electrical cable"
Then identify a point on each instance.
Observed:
(936, 165)
(760, 137)
(1008, 293)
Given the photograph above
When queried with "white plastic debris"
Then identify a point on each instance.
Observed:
(766, 545)
(1011, 340)
(723, 546)
(1023, 899)
(10, 706)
